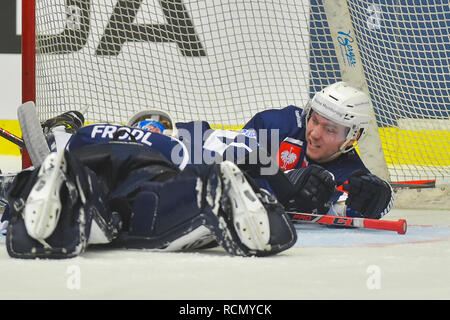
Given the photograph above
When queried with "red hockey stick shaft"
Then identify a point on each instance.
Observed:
(400, 226)
(416, 184)
(14, 139)
(411, 184)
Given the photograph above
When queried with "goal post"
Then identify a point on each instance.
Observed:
(223, 61)
(350, 65)
(28, 51)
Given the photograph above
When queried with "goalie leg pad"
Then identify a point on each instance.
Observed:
(43, 205)
(249, 216)
(157, 221)
(245, 207)
(67, 240)
(232, 205)
(78, 204)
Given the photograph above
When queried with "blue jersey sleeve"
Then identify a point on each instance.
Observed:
(272, 126)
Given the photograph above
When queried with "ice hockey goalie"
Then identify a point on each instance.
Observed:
(124, 195)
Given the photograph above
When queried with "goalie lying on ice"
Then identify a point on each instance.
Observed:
(125, 195)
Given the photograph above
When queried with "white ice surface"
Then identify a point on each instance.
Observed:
(326, 263)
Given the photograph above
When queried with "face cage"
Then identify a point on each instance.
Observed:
(165, 122)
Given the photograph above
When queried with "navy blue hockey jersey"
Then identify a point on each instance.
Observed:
(171, 148)
(292, 142)
(291, 139)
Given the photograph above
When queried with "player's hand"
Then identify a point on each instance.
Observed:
(313, 188)
(369, 195)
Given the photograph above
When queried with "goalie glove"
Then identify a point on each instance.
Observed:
(369, 195)
(313, 188)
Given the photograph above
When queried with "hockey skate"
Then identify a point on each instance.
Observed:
(71, 121)
(43, 205)
(242, 206)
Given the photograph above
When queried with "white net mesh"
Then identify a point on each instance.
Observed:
(223, 61)
(404, 49)
(219, 61)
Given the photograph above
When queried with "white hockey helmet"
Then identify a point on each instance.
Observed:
(344, 105)
(156, 115)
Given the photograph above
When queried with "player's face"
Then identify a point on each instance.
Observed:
(323, 137)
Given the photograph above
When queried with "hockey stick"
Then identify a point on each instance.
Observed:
(12, 138)
(298, 217)
(33, 136)
(413, 184)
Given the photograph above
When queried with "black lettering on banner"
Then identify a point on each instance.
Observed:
(179, 28)
(121, 29)
(75, 33)
(10, 42)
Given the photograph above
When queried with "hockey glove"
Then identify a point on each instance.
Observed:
(313, 188)
(369, 195)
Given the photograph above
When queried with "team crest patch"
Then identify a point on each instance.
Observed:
(288, 155)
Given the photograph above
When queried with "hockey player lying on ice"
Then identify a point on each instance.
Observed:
(314, 147)
(124, 184)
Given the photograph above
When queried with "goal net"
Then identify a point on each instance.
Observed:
(224, 60)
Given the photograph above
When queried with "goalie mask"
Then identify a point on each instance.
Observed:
(153, 120)
(343, 105)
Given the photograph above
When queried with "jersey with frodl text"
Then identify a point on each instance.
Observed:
(171, 148)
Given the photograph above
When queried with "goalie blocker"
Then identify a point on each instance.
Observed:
(124, 195)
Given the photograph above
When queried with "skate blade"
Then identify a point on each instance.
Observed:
(249, 215)
(43, 206)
